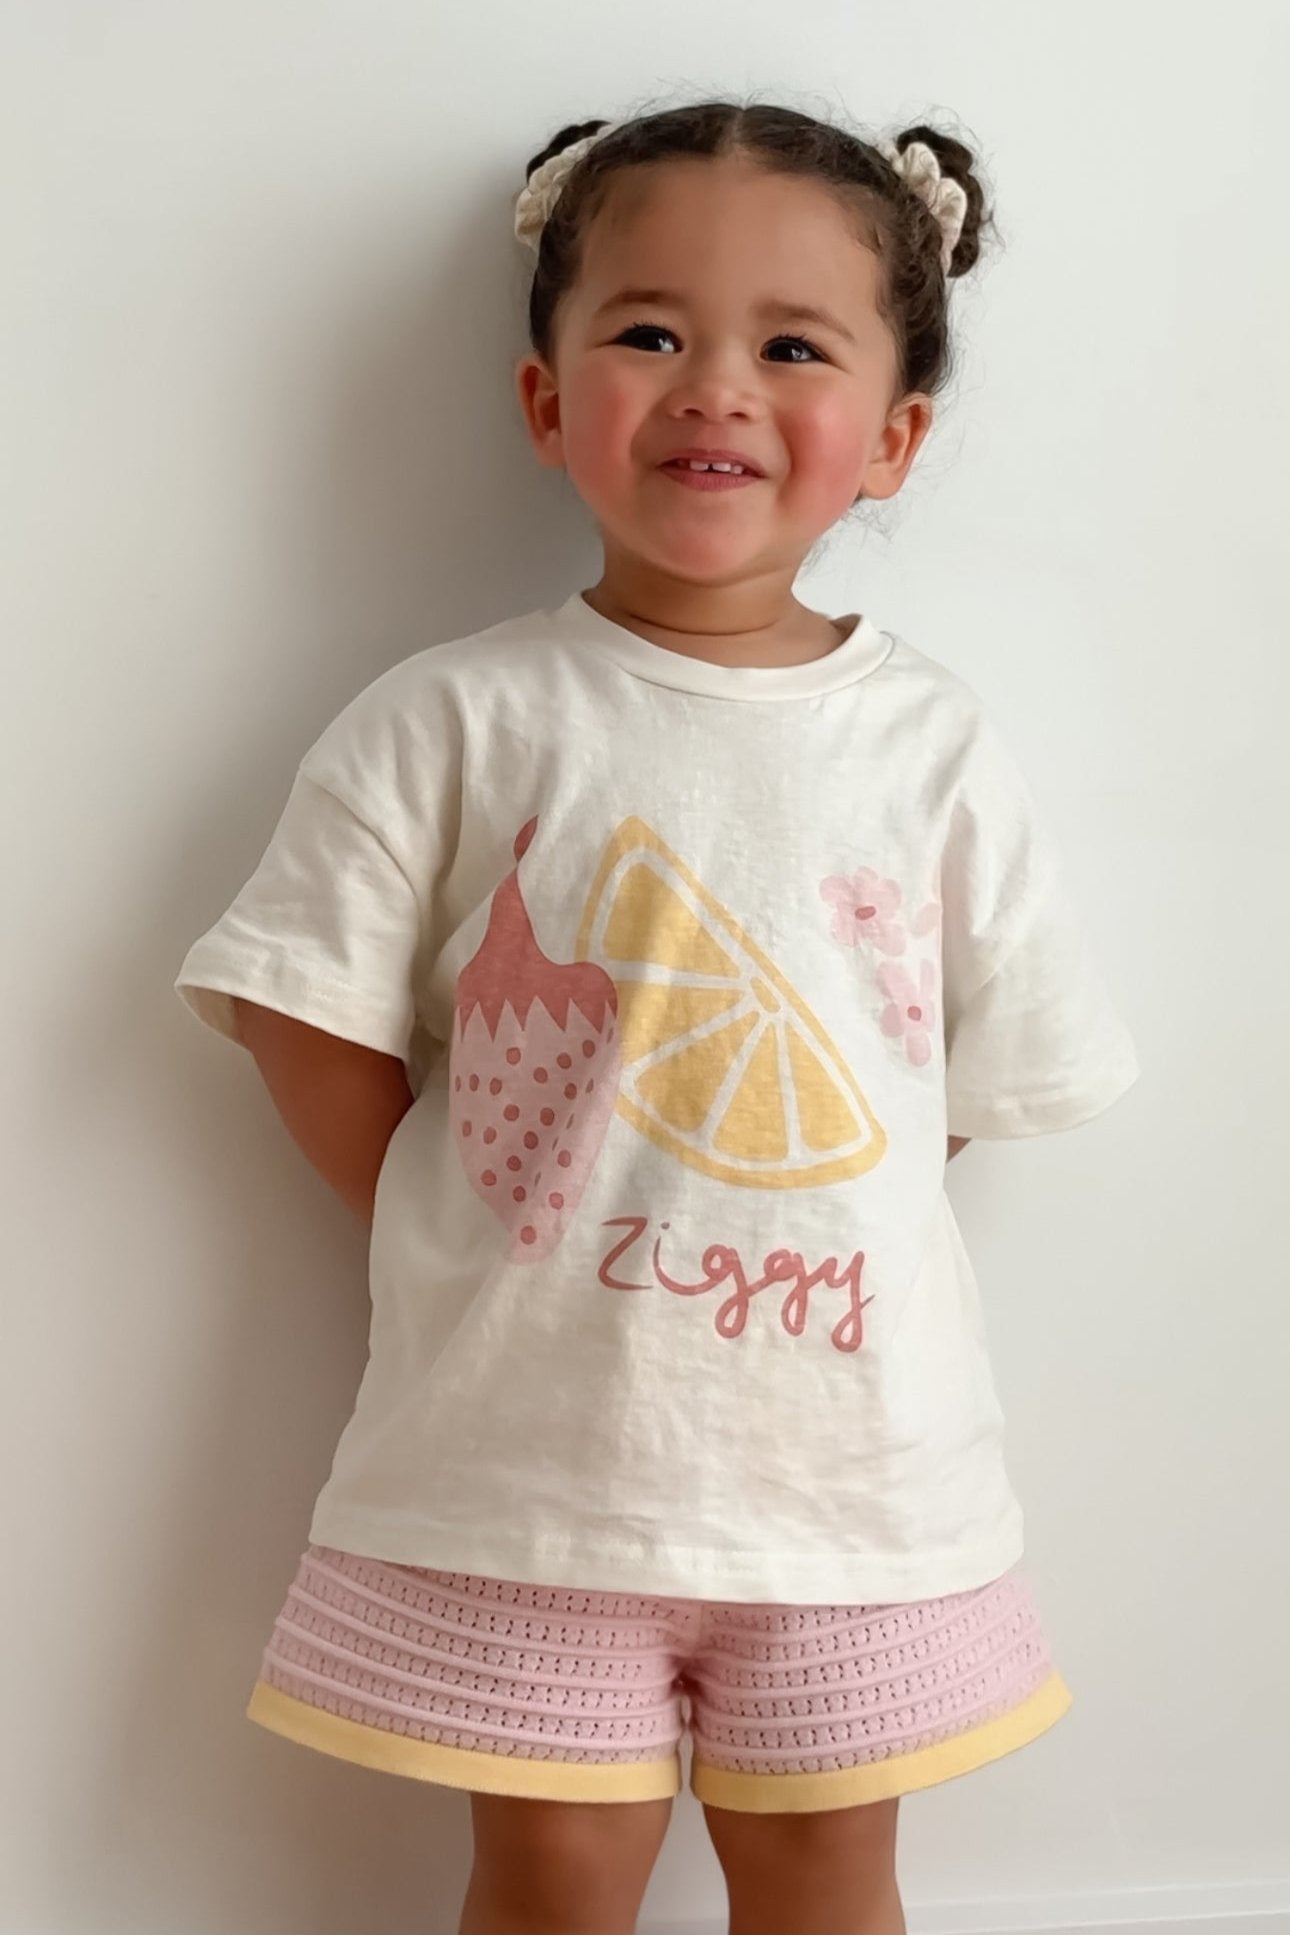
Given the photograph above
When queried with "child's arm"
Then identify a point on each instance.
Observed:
(340, 1101)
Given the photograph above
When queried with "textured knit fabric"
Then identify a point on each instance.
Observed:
(695, 967)
(535, 1673)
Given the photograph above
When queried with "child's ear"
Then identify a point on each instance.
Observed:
(540, 402)
(906, 426)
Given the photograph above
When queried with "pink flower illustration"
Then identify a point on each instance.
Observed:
(927, 920)
(910, 1012)
(865, 907)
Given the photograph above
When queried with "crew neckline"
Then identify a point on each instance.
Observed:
(862, 650)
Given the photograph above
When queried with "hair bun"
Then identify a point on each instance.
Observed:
(956, 164)
(576, 131)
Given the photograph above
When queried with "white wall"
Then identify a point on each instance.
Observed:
(260, 304)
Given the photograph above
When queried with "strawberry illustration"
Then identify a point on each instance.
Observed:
(534, 1069)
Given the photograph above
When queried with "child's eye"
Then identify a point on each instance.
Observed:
(812, 354)
(799, 342)
(643, 329)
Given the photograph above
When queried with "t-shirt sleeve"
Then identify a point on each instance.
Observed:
(326, 929)
(1033, 1039)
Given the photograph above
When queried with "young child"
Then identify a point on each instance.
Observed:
(629, 964)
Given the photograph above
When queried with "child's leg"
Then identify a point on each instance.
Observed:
(560, 1867)
(810, 1874)
(810, 1721)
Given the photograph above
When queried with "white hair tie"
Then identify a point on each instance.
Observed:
(920, 169)
(541, 192)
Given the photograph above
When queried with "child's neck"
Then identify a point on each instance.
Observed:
(756, 623)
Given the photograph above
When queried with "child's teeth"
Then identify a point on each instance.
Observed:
(695, 465)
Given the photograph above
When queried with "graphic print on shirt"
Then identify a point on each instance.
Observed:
(534, 1071)
(867, 915)
(724, 1065)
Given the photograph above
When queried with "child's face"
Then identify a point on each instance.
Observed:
(707, 366)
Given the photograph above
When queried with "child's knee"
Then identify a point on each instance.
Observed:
(840, 1854)
(565, 1864)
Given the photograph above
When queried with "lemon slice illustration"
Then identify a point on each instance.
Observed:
(724, 1065)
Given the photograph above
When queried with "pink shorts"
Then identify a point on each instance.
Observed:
(557, 1694)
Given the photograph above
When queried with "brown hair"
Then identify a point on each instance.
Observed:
(896, 223)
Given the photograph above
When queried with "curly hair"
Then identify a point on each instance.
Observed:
(892, 220)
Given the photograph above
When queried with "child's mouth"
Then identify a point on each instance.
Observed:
(683, 471)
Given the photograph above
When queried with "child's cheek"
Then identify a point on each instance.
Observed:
(828, 459)
(599, 418)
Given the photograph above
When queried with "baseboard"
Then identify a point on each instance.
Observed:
(1240, 1908)
(1230, 1908)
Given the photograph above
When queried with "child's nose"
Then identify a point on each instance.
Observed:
(717, 390)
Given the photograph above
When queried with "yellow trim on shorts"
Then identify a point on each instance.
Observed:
(881, 1780)
(483, 1773)
(564, 1780)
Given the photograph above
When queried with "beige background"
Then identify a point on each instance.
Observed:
(260, 305)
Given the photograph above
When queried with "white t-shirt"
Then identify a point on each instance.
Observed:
(693, 968)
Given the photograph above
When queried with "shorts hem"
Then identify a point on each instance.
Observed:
(879, 1780)
(483, 1773)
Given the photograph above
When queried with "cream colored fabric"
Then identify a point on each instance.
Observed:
(695, 967)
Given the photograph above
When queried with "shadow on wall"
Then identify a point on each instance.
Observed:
(421, 514)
